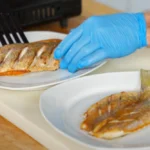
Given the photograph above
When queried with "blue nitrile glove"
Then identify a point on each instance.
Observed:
(102, 37)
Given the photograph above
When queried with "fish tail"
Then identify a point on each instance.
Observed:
(145, 79)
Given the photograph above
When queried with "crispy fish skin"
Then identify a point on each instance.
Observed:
(126, 121)
(18, 59)
(120, 114)
(106, 108)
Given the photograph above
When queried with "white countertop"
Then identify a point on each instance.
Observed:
(22, 107)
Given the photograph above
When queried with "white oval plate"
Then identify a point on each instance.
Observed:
(62, 107)
(42, 79)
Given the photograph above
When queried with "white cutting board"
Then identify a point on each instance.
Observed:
(22, 108)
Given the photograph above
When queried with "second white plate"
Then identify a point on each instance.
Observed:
(63, 105)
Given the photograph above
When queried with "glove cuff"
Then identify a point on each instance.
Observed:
(142, 29)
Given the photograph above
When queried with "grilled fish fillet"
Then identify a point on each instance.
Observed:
(119, 114)
(18, 59)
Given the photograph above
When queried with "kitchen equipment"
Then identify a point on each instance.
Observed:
(31, 12)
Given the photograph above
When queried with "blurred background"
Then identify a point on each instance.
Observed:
(128, 5)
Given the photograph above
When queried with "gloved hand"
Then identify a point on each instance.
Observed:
(102, 37)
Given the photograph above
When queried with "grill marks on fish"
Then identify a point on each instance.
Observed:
(120, 114)
(107, 107)
(40, 51)
(32, 57)
(8, 57)
(44, 58)
(113, 115)
(27, 56)
(125, 124)
(23, 52)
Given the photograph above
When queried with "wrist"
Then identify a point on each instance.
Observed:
(147, 18)
(142, 29)
(148, 36)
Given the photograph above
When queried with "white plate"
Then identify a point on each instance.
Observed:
(63, 105)
(42, 79)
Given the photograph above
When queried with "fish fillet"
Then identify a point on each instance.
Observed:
(119, 114)
(18, 59)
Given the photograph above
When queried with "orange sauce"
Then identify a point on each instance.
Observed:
(14, 73)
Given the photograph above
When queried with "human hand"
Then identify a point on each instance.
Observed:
(100, 38)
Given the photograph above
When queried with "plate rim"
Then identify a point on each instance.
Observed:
(45, 85)
(50, 84)
(69, 136)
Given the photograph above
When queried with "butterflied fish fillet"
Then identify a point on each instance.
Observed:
(120, 114)
(17, 59)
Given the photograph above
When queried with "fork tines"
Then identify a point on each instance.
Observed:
(10, 30)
